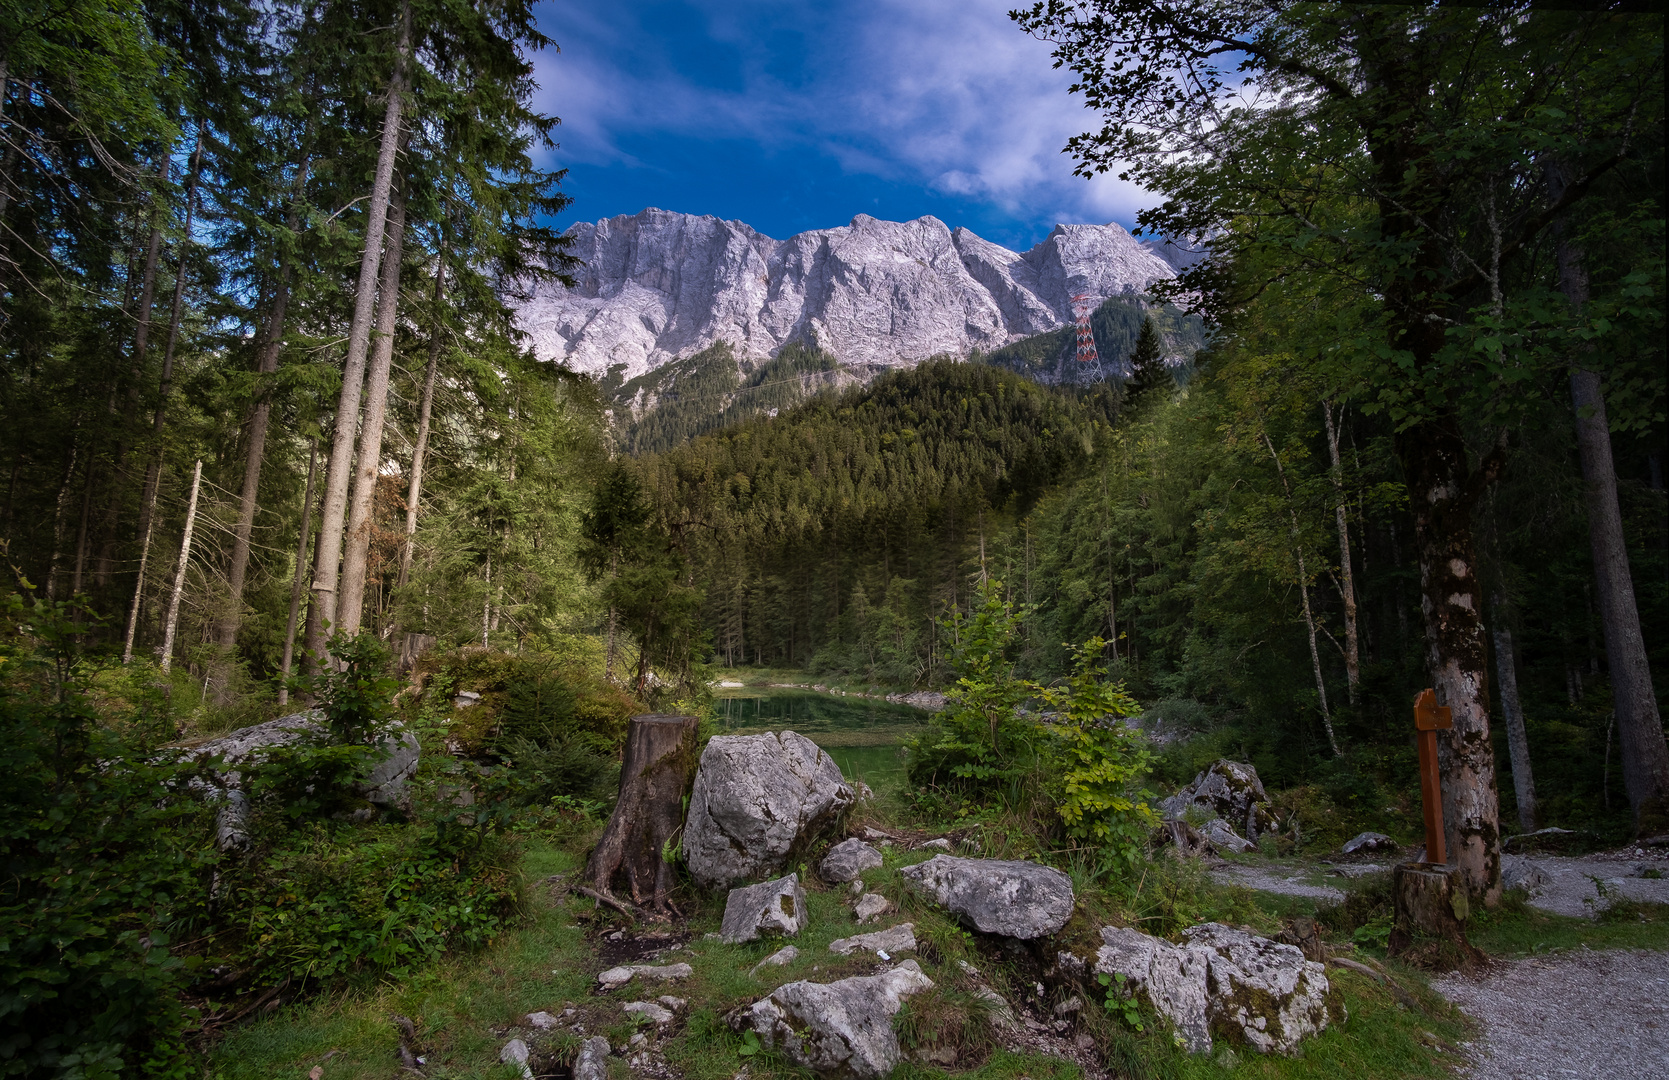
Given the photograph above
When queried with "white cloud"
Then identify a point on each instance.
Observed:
(948, 94)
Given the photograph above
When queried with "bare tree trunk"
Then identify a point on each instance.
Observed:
(1347, 580)
(1304, 595)
(362, 506)
(654, 777)
(166, 653)
(153, 471)
(272, 347)
(1645, 754)
(58, 517)
(300, 575)
(329, 550)
(1512, 712)
(414, 492)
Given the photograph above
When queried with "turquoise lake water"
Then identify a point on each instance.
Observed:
(862, 735)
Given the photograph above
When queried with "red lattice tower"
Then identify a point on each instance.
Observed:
(1082, 306)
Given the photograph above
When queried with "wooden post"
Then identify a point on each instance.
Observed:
(1429, 719)
(655, 776)
(1430, 903)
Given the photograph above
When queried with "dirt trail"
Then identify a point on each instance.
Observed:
(1576, 1014)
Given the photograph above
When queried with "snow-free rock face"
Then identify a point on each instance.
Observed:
(997, 896)
(848, 860)
(839, 1029)
(1222, 981)
(659, 285)
(1229, 790)
(757, 801)
(769, 909)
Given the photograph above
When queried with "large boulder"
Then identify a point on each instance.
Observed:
(839, 1029)
(1222, 981)
(847, 861)
(996, 896)
(758, 801)
(1229, 790)
(771, 908)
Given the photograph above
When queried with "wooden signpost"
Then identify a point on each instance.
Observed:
(1429, 719)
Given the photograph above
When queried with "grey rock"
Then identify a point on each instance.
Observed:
(1368, 842)
(544, 1021)
(649, 1010)
(848, 860)
(592, 1061)
(676, 1004)
(1228, 789)
(781, 958)
(997, 896)
(871, 906)
(465, 699)
(840, 1029)
(1220, 980)
(1223, 837)
(386, 785)
(939, 844)
(894, 939)
(620, 976)
(1517, 872)
(759, 800)
(656, 286)
(515, 1053)
(930, 700)
(769, 909)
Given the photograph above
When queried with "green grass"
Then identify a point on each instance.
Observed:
(1516, 929)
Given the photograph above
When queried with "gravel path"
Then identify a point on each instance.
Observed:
(1577, 1014)
(1273, 879)
(1569, 887)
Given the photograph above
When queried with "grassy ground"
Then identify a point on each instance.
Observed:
(465, 1009)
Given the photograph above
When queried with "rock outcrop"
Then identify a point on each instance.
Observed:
(995, 896)
(1222, 981)
(1229, 790)
(658, 285)
(759, 800)
(769, 909)
(839, 1029)
(894, 939)
(847, 861)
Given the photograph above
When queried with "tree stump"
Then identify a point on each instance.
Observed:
(1431, 912)
(654, 778)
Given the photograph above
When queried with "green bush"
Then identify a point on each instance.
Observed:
(102, 865)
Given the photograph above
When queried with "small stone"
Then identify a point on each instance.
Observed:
(1069, 1006)
(995, 896)
(515, 1053)
(771, 908)
(941, 844)
(544, 1021)
(637, 1040)
(857, 888)
(650, 1011)
(848, 860)
(782, 957)
(875, 834)
(872, 906)
(1362, 843)
(676, 1004)
(900, 938)
(620, 976)
(592, 1060)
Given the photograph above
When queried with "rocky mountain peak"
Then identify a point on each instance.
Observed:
(658, 285)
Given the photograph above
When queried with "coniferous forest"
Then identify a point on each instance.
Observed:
(272, 440)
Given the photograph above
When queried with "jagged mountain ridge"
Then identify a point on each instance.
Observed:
(659, 285)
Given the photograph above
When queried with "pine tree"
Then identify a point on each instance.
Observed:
(1147, 365)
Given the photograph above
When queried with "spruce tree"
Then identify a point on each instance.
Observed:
(1147, 365)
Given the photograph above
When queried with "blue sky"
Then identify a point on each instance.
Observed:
(793, 116)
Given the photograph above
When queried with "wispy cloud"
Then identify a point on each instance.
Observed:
(947, 95)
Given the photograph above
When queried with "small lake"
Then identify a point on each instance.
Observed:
(861, 734)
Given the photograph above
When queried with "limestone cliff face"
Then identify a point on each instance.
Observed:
(659, 285)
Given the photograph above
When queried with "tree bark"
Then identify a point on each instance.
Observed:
(362, 508)
(1645, 754)
(166, 653)
(329, 550)
(300, 575)
(1347, 579)
(414, 490)
(1512, 714)
(654, 778)
(1431, 912)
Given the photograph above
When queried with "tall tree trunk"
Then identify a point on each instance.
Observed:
(300, 576)
(337, 474)
(362, 508)
(1645, 755)
(272, 347)
(1441, 492)
(153, 471)
(414, 491)
(1304, 596)
(1512, 714)
(58, 514)
(106, 563)
(1347, 580)
(166, 653)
